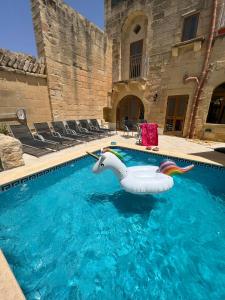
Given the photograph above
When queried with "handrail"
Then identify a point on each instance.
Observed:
(136, 65)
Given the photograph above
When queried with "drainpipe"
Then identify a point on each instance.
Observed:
(201, 80)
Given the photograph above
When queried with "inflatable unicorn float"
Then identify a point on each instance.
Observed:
(139, 179)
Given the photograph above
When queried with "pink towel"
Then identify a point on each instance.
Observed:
(149, 134)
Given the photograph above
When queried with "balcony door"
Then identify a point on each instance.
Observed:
(175, 115)
(136, 53)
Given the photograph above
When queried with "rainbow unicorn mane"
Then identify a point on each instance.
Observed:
(170, 168)
(113, 152)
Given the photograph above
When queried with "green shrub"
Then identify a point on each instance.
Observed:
(3, 129)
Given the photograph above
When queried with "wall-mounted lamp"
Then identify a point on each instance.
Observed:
(21, 115)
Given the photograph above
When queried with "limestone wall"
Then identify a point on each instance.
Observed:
(214, 132)
(18, 90)
(167, 59)
(78, 58)
(23, 84)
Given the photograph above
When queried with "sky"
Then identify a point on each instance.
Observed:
(17, 33)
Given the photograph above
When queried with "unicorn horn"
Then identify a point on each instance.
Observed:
(93, 155)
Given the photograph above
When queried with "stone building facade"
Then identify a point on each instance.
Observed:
(148, 37)
(78, 60)
(158, 60)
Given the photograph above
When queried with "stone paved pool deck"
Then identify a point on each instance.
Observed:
(173, 146)
(168, 145)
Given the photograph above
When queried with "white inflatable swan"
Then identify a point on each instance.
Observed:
(135, 180)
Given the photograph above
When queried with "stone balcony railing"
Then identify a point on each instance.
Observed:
(136, 66)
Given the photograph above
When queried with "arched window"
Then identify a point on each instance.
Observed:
(133, 46)
(216, 113)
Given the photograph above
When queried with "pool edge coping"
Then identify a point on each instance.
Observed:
(11, 288)
(183, 157)
(54, 165)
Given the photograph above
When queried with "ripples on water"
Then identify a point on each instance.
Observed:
(75, 235)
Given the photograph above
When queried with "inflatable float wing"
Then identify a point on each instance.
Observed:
(135, 180)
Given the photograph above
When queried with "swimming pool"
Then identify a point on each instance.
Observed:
(71, 234)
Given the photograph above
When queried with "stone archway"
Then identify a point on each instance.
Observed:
(130, 108)
(216, 113)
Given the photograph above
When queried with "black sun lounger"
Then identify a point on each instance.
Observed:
(72, 125)
(95, 124)
(85, 131)
(34, 151)
(86, 125)
(221, 150)
(44, 130)
(37, 152)
(22, 133)
(59, 127)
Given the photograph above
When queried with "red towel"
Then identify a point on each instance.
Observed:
(149, 134)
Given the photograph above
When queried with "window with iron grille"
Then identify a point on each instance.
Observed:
(190, 27)
(136, 53)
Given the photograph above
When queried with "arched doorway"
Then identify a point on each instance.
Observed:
(131, 109)
(216, 114)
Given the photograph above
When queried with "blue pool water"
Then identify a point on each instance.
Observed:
(75, 235)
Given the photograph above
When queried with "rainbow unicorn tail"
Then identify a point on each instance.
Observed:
(170, 168)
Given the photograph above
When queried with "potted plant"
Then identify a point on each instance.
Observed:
(3, 129)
